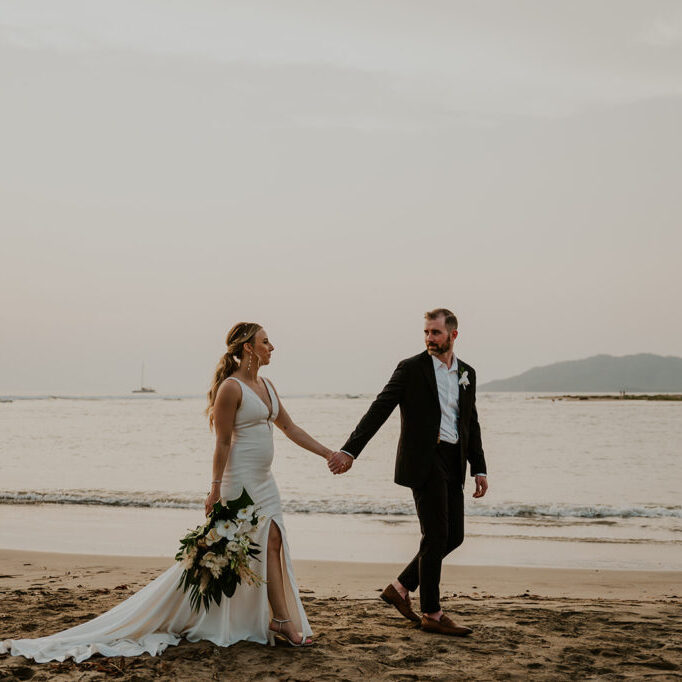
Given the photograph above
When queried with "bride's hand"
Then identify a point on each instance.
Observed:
(212, 498)
(340, 462)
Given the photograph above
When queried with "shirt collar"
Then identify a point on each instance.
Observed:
(437, 364)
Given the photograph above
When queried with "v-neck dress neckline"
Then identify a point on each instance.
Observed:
(270, 409)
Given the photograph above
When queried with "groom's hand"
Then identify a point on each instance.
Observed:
(339, 462)
(481, 486)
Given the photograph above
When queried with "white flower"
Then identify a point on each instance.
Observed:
(214, 563)
(226, 529)
(245, 513)
(212, 537)
(464, 379)
(232, 546)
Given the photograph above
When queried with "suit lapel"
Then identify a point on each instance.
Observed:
(430, 374)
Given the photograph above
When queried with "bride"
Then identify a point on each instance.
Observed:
(242, 407)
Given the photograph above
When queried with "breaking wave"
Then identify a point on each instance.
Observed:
(340, 505)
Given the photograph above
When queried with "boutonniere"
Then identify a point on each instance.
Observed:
(464, 379)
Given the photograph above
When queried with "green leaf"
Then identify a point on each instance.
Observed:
(244, 500)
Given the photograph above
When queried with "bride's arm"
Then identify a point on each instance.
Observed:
(295, 433)
(224, 410)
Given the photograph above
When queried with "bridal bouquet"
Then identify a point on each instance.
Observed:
(216, 555)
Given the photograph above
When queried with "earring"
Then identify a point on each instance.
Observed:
(248, 366)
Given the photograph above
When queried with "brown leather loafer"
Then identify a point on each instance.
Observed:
(444, 626)
(391, 596)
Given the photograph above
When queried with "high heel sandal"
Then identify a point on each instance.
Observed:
(282, 636)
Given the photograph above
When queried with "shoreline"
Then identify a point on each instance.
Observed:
(352, 579)
(111, 531)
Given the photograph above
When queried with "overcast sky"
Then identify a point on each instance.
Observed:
(332, 170)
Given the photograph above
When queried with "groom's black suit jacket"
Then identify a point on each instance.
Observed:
(413, 387)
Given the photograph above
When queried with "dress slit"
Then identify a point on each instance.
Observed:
(291, 596)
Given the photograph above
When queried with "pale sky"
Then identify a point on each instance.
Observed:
(332, 170)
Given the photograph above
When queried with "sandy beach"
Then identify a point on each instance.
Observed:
(528, 623)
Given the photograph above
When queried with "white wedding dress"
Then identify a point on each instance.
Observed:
(159, 614)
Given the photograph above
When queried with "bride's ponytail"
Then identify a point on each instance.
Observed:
(226, 366)
(241, 333)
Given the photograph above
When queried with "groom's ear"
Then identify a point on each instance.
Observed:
(454, 334)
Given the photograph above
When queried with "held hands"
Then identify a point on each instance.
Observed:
(339, 462)
(481, 486)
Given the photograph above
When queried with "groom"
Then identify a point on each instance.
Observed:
(439, 433)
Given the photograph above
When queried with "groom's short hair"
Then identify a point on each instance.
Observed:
(450, 318)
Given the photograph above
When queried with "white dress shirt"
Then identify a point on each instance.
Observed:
(447, 382)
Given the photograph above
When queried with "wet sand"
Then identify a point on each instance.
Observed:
(528, 623)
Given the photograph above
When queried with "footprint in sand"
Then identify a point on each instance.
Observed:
(367, 639)
(22, 672)
(658, 664)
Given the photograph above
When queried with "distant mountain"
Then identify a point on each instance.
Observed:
(633, 373)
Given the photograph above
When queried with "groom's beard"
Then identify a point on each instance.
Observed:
(435, 349)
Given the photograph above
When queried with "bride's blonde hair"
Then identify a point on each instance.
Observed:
(241, 333)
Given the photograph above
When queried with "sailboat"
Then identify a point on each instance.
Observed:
(143, 388)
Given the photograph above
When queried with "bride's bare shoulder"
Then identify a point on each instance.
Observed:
(230, 391)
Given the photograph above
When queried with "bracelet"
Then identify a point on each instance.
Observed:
(212, 482)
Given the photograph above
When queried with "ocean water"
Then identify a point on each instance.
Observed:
(589, 483)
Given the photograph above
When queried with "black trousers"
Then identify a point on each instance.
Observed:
(440, 508)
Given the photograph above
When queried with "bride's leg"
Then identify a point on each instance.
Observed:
(276, 596)
(275, 577)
